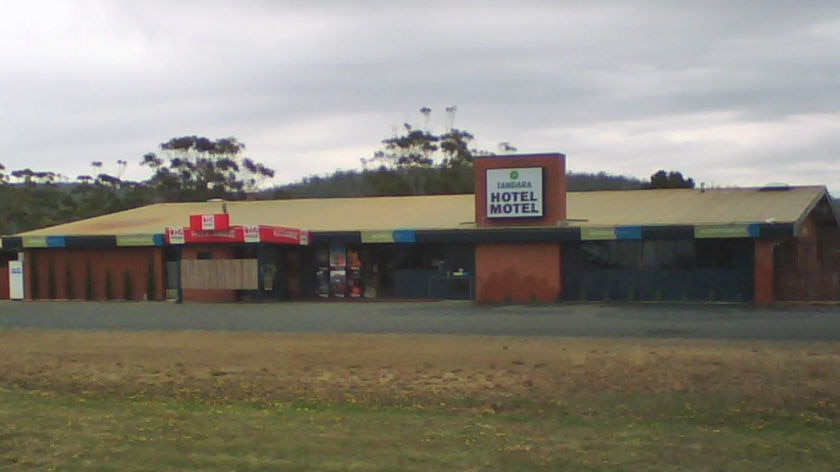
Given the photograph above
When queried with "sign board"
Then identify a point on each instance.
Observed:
(16, 280)
(239, 234)
(175, 236)
(515, 193)
(251, 233)
(214, 222)
(280, 234)
(234, 234)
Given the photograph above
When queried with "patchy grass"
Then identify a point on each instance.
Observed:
(217, 401)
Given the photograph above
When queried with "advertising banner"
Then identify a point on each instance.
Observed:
(239, 234)
(232, 235)
(280, 234)
(515, 193)
(214, 222)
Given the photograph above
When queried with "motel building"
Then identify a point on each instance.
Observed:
(520, 239)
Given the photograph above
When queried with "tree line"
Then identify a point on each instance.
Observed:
(192, 168)
(187, 168)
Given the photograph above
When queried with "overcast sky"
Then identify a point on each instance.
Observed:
(731, 93)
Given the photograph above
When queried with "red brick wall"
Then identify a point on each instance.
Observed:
(554, 190)
(218, 252)
(48, 270)
(808, 267)
(764, 280)
(4, 279)
(519, 273)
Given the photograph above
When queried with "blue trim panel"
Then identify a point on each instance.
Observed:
(628, 232)
(56, 241)
(405, 236)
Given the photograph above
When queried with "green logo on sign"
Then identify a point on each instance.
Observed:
(514, 175)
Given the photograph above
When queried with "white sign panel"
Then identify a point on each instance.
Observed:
(16, 280)
(251, 233)
(175, 235)
(208, 222)
(515, 193)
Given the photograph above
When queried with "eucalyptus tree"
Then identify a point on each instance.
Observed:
(194, 168)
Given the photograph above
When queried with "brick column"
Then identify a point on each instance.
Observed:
(765, 293)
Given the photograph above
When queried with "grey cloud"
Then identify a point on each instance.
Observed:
(114, 79)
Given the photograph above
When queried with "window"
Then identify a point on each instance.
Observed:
(715, 253)
(610, 254)
(204, 255)
(670, 254)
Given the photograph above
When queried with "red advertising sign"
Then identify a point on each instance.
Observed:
(238, 234)
(214, 222)
(280, 234)
(232, 235)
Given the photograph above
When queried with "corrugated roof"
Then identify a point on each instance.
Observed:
(607, 208)
(321, 214)
(692, 206)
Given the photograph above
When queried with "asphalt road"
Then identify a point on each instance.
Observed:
(439, 317)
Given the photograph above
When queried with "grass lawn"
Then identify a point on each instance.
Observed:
(222, 402)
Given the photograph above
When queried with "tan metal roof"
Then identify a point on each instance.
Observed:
(608, 208)
(322, 214)
(691, 206)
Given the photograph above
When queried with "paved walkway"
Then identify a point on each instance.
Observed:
(442, 317)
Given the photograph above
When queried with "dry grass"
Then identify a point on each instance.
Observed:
(485, 372)
(218, 402)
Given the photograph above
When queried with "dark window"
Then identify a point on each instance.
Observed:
(668, 254)
(610, 254)
(715, 253)
(205, 255)
(683, 254)
(628, 254)
(596, 254)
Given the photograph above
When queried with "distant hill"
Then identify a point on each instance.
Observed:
(423, 181)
